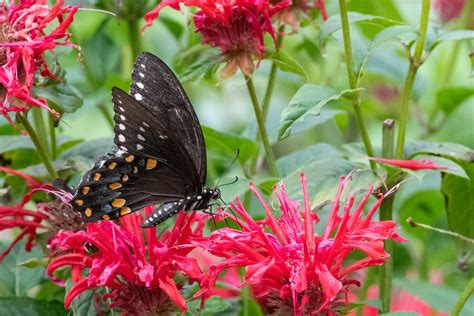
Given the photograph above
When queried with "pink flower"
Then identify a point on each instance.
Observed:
(290, 15)
(23, 41)
(449, 9)
(52, 216)
(290, 267)
(138, 271)
(410, 164)
(237, 27)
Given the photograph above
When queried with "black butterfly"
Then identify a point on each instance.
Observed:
(160, 155)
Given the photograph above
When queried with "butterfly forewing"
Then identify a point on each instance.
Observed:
(156, 87)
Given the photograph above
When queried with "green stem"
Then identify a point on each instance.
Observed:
(134, 38)
(52, 136)
(386, 214)
(353, 82)
(38, 123)
(41, 151)
(466, 293)
(415, 63)
(261, 127)
(268, 96)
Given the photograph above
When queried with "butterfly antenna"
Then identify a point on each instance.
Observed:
(236, 179)
(232, 211)
(228, 168)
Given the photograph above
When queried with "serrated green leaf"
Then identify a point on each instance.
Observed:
(64, 98)
(289, 163)
(82, 305)
(308, 100)
(459, 194)
(406, 34)
(228, 145)
(333, 24)
(287, 63)
(13, 306)
(213, 305)
(452, 150)
(449, 99)
(88, 151)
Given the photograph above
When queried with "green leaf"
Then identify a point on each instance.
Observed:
(437, 296)
(459, 194)
(87, 152)
(102, 54)
(31, 307)
(213, 306)
(287, 63)
(64, 98)
(451, 150)
(449, 99)
(442, 36)
(200, 69)
(82, 305)
(15, 279)
(227, 145)
(308, 100)
(333, 24)
(13, 142)
(289, 163)
(406, 34)
(266, 185)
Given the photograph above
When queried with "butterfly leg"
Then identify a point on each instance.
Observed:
(162, 213)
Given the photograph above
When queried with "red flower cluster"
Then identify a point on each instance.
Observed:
(51, 217)
(291, 268)
(23, 41)
(237, 27)
(138, 271)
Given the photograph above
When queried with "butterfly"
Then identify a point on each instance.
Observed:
(159, 157)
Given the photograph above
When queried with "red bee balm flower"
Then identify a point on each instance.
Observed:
(23, 40)
(290, 267)
(50, 217)
(237, 27)
(138, 272)
(449, 9)
(290, 15)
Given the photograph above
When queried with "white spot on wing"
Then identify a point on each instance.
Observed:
(121, 138)
(124, 148)
(139, 147)
(141, 74)
(140, 85)
(138, 97)
(121, 126)
(121, 108)
(143, 66)
(144, 123)
(140, 137)
(142, 129)
(122, 117)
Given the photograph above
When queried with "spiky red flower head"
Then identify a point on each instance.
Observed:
(138, 271)
(49, 217)
(25, 35)
(290, 267)
(237, 27)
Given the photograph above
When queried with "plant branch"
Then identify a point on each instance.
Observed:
(39, 147)
(52, 136)
(134, 38)
(261, 126)
(364, 133)
(415, 63)
(442, 231)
